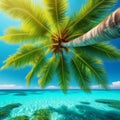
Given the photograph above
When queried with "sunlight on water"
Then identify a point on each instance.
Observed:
(58, 102)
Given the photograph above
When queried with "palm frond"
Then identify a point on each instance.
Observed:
(102, 50)
(90, 15)
(63, 73)
(36, 68)
(15, 36)
(47, 72)
(56, 10)
(80, 73)
(95, 68)
(26, 55)
(31, 14)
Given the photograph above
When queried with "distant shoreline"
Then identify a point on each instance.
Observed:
(54, 90)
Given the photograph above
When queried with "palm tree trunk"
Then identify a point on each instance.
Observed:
(107, 30)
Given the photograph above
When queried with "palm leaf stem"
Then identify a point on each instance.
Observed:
(38, 22)
(81, 59)
(101, 50)
(78, 69)
(32, 72)
(20, 34)
(31, 52)
(36, 50)
(57, 16)
(81, 77)
(73, 36)
(88, 13)
(63, 73)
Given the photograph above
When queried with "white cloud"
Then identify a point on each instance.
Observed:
(56, 87)
(52, 87)
(74, 87)
(95, 87)
(36, 87)
(115, 84)
(10, 86)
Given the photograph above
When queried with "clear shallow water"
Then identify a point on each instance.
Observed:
(61, 104)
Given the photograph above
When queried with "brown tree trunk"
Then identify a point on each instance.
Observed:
(109, 29)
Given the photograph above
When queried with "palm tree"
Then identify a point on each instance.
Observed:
(45, 34)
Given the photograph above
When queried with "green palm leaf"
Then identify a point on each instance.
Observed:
(80, 73)
(90, 15)
(32, 14)
(63, 73)
(102, 50)
(26, 55)
(47, 72)
(56, 9)
(13, 35)
(95, 68)
(37, 67)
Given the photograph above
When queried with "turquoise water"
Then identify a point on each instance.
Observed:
(63, 106)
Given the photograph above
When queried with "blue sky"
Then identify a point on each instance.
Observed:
(11, 78)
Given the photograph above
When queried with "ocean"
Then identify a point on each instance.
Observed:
(74, 105)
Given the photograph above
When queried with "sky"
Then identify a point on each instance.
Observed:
(15, 79)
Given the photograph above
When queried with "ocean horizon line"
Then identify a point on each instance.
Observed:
(54, 89)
